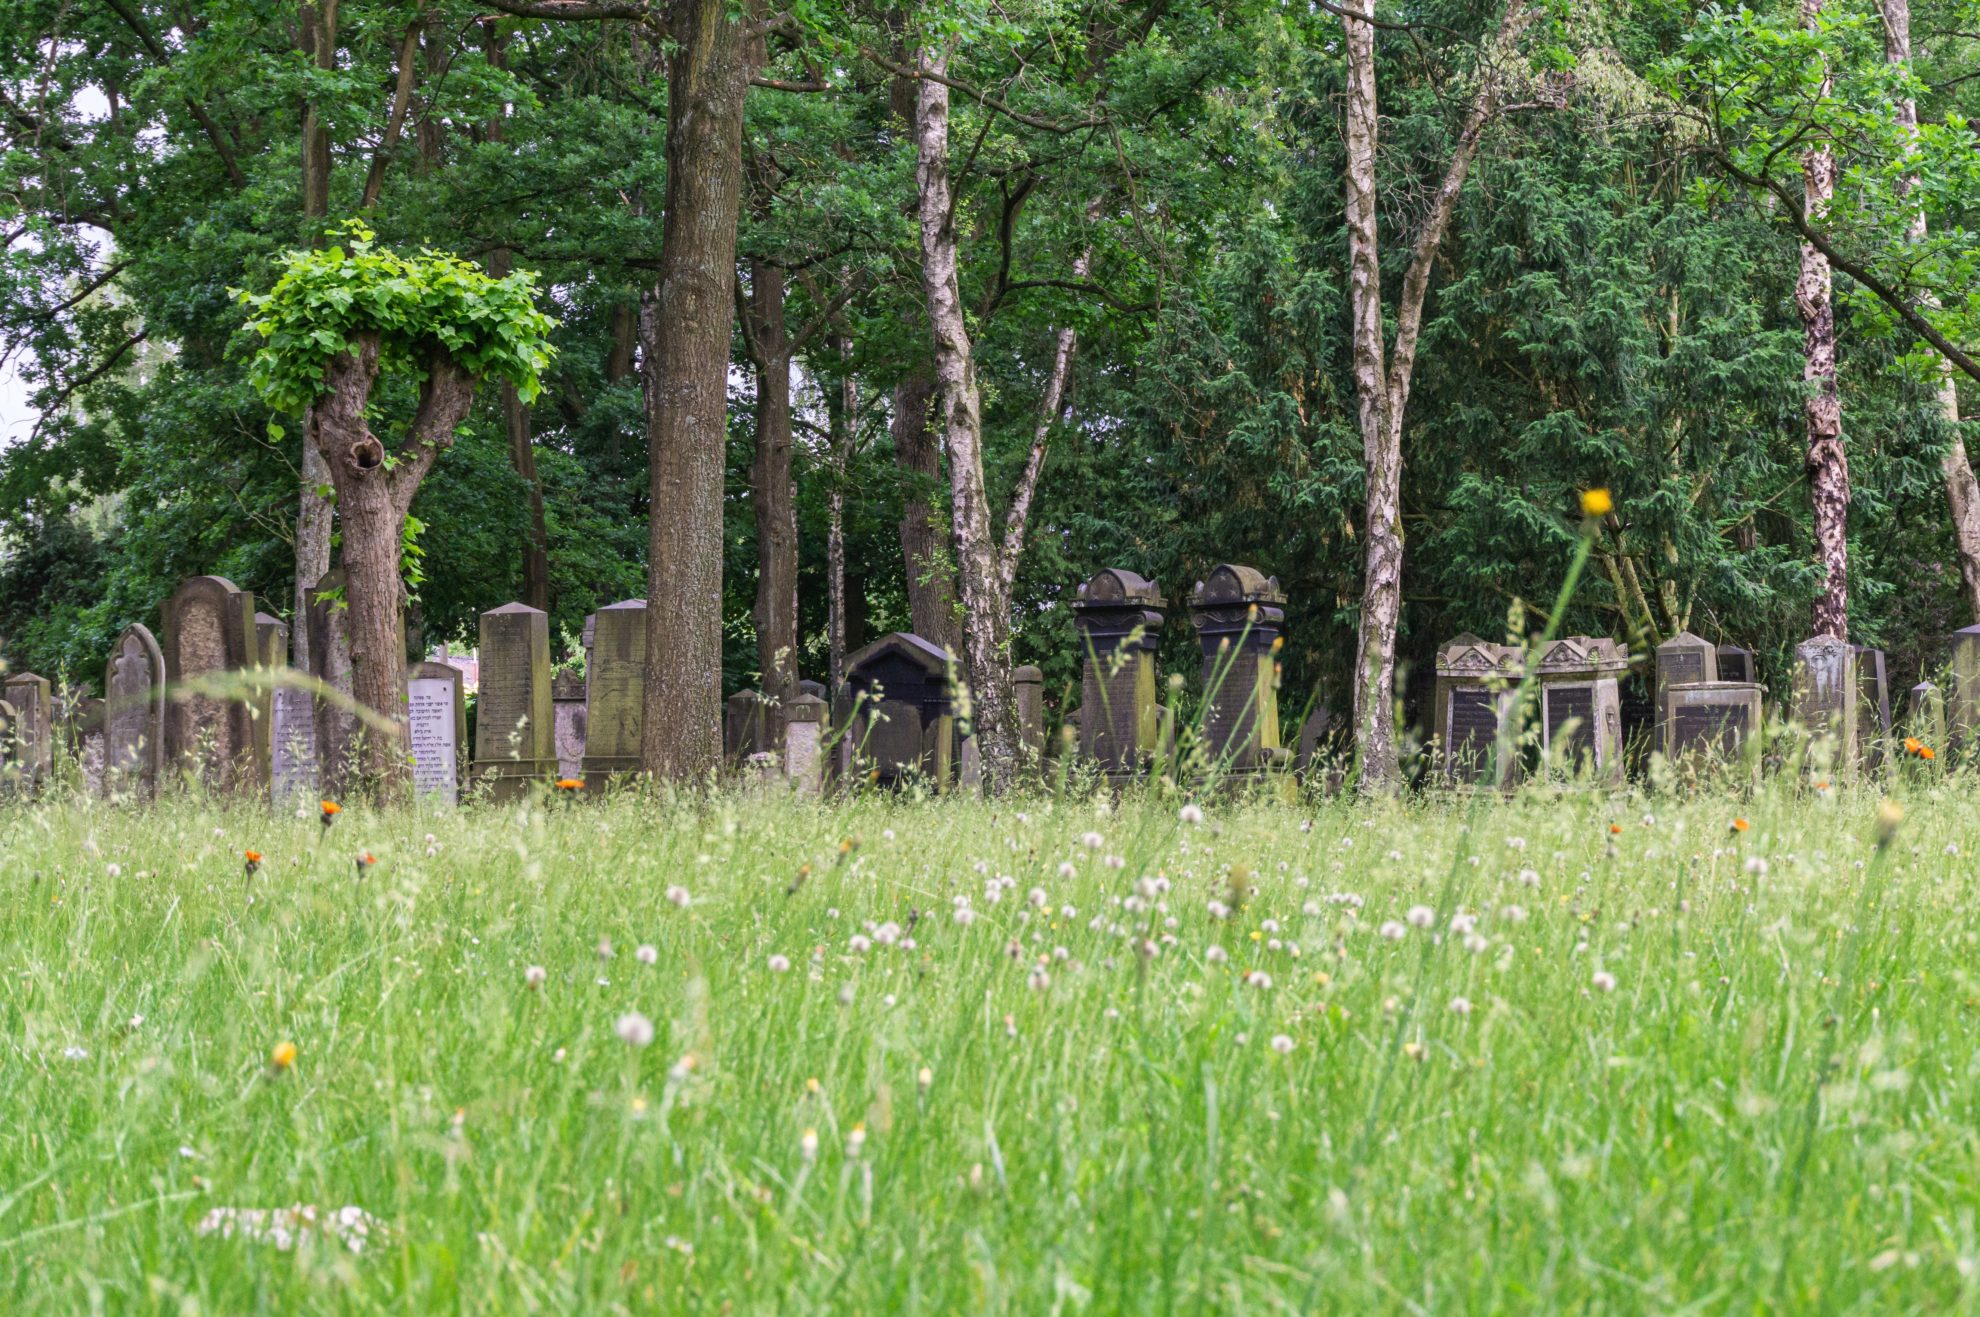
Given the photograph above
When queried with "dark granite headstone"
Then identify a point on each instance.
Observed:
(1237, 617)
(1475, 681)
(1118, 617)
(898, 712)
(1580, 706)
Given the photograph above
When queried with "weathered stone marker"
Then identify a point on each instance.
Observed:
(1580, 705)
(804, 744)
(1237, 617)
(1827, 701)
(1873, 719)
(1963, 690)
(1683, 660)
(567, 710)
(31, 752)
(209, 631)
(1118, 616)
(615, 700)
(742, 726)
(271, 656)
(1475, 688)
(898, 712)
(1736, 664)
(1710, 718)
(134, 714)
(1028, 685)
(513, 725)
(436, 729)
(292, 745)
(1926, 719)
(337, 725)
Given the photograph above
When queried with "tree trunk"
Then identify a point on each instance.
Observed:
(1962, 492)
(314, 511)
(842, 409)
(1828, 463)
(986, 627)
(773, 494)
(1051, 408)
(1381, 598)
(931, 581)
(373, 497)
(686, 320)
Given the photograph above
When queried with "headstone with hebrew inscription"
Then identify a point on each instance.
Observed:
(897, 712)
(1237, 615)
(209, 633)
(1118, 616)
(436, 729)
(1736, 664)
(1580, 704)
(1827, 701)
(804, 748)
(514, 728)
(1475, 691)
(567, 710)
(1683, 660)
(1710, 719)
(32, 752)
(1963, 691)
(1873, 719)
(133, 714)
(615, 701)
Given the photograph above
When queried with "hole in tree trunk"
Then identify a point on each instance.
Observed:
(367, 454)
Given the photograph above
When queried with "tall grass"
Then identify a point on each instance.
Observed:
(1778, 1090)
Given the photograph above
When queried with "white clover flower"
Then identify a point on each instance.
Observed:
(1039, 979)
(1604, 981)
(1093, 841)
(1037, 898)
(648, 954)
(535, 976)
(1258, 979)
(1516, 843)
(75, 1054)
(1393, 930)
(634, 1029)
(1190, 814)
(1463, 923)
(1514, 913)
(604, 948)
(1215, 954)
(678, 895)
(1115, 862)
(1421, 916)
(1476, 942)
(1067, 869)
(780, 964)
(1218, 910)
(1269, 926)
(1460, 1005)
(1529, 878)
(965, 916)
(860, 944)
(1282, 1043)
(1756, 866)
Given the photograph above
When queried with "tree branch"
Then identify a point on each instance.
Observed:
(374, 178)
(199, 114)
(978, 95)
(575, 9)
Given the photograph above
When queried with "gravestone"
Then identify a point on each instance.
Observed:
(567, 710)
(1925, 719)
(742, 726)
(804, 744)
(614, 707)
(1736, 664)
(815, 689)
(31, 748)
(1826, 700)
(1963, 691)
(134, 714)
(209, 631)
(1118, 616)
(10, 772)
(1475, 681)
(1028, 687)
(271, 656)
(436, 729)
(337, 724)
(1873, 719)
(1237, 617)
(86, 735)
(292, 745)
(898, 712)
(1683, 660)
(1580, 705)
(514, 724)
(1312, 736)
(1710, 719)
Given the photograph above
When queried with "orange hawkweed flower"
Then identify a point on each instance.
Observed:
(570, 784)
(1925, 752)
(1740, 825)
(1615, 829)
(1914, 746)
(252, 860)
(331, 809)
(365, 859)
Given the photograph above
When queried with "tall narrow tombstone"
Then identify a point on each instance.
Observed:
(1826, 700)
(804, 748)
(1710, 719)
(513, 723)
(1735, 664)
(1118, 615)
(32, 748)
(567, 710)
(1475, 690)
(1873, 720)
(271, 656)
(10, 769)
(292, 773)
(134, 714)
(436, 729)
(1237, 617)
(337, 723)
(1580, 705)
(1683, 660)
(1925, 719)
(742, 726)
(1028, 683)
(209, 631)
(615, 702)
(898, 712)
(1963, 691)
(1312, 736)
(86, 736)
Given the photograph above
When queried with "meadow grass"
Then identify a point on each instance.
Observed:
(1172, 1064)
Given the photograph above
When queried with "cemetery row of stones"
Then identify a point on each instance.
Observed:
(895, 717)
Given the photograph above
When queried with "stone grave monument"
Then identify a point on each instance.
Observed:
(1736, 664)
(31, 752)
(1580, 704)
(615, 702)
(514, 725)
(742, 727)
(1963, 691)
(1237, 617)
(567, 710)
(804, 744)
(897, 710)
(134, 714)
(436, 729)
(1710, 718)
(1118, 617)
(1873, 720)
(1475, 688)
(337, 725)
(1925, 719)
(1827, 697)
(209, 631)
(1683, 660)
